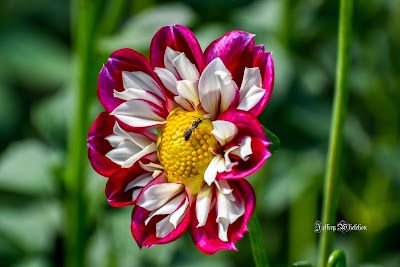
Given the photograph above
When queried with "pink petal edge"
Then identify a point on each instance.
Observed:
(145, 235)
(206, 237)
(110, 76)
(180, 39)
(98, 146)
(235, 50)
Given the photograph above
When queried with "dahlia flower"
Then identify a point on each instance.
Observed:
(180, 134)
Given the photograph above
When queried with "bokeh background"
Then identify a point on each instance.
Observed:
(37, 103)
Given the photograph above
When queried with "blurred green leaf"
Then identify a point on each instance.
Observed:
(33, 262)
(10, 112)
(273, 139)
(34, 59)
(140, 29)
(32, 227)
(114, 242)
(292, 173)
(25, 168)
(52, 116)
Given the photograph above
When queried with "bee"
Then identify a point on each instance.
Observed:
(188, 132)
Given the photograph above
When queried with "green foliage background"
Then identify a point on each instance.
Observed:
(37, 103)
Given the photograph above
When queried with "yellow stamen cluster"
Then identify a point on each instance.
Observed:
(184, 147)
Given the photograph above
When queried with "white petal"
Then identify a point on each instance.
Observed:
(133, 93)
(203, 204)
(209, 90)
(164, 227)
(230, 210)
(168, 208)
(140, 181)
(224, 131)
(244, 150)
(157, 195)
(224, 187)
(137, 113)
(183, 103)
(150, 167)
(115, 139)
(253, 96)
(138, 139)
(228, 89)
(125, 150)
(143, 81)
(251, 77)
(189, 91)
(223, 229)
(228, 163)
(185, 68)
(136, 193)
(167, 78)
(216, 165)
(179, 214)
(133, 159)
(169, 56)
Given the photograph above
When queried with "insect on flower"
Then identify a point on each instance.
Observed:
(188, 132)
(153, 107)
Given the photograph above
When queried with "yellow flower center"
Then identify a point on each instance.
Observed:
(184, 148)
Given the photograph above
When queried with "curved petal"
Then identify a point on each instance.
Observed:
(145, 235)
(253, 163)
(98, 146)
(235, 50)
(140, 113)
(110, 76)
(117, 193)
(263, 60)
(247, 125)
(178, 38)
(206, 237)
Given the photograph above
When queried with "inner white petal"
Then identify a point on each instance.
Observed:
(164, 227)
(138, 139)
(253, 96)
(183, 102)
(185, 68)
(244, 150)
(140, 181)
(216, 165)
(179, 214)
(228, 89)
(135, 157)
(224, 187)
(251, 77)
(133, 93)
(209, 89)
(223, 229)
(167, 78)
(157, 195)
(224, 131)
(189, 91)
(137, 113)
(124, 151)
(203, 204)
(143, 81)
(228, 163)
(168, 208)
(169, 56)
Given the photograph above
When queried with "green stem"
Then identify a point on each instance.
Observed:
(257, 242)
(113, 16)
(84, 12)
(337, 259)
(336, 136)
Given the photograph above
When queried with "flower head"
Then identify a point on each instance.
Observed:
(180, 134)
